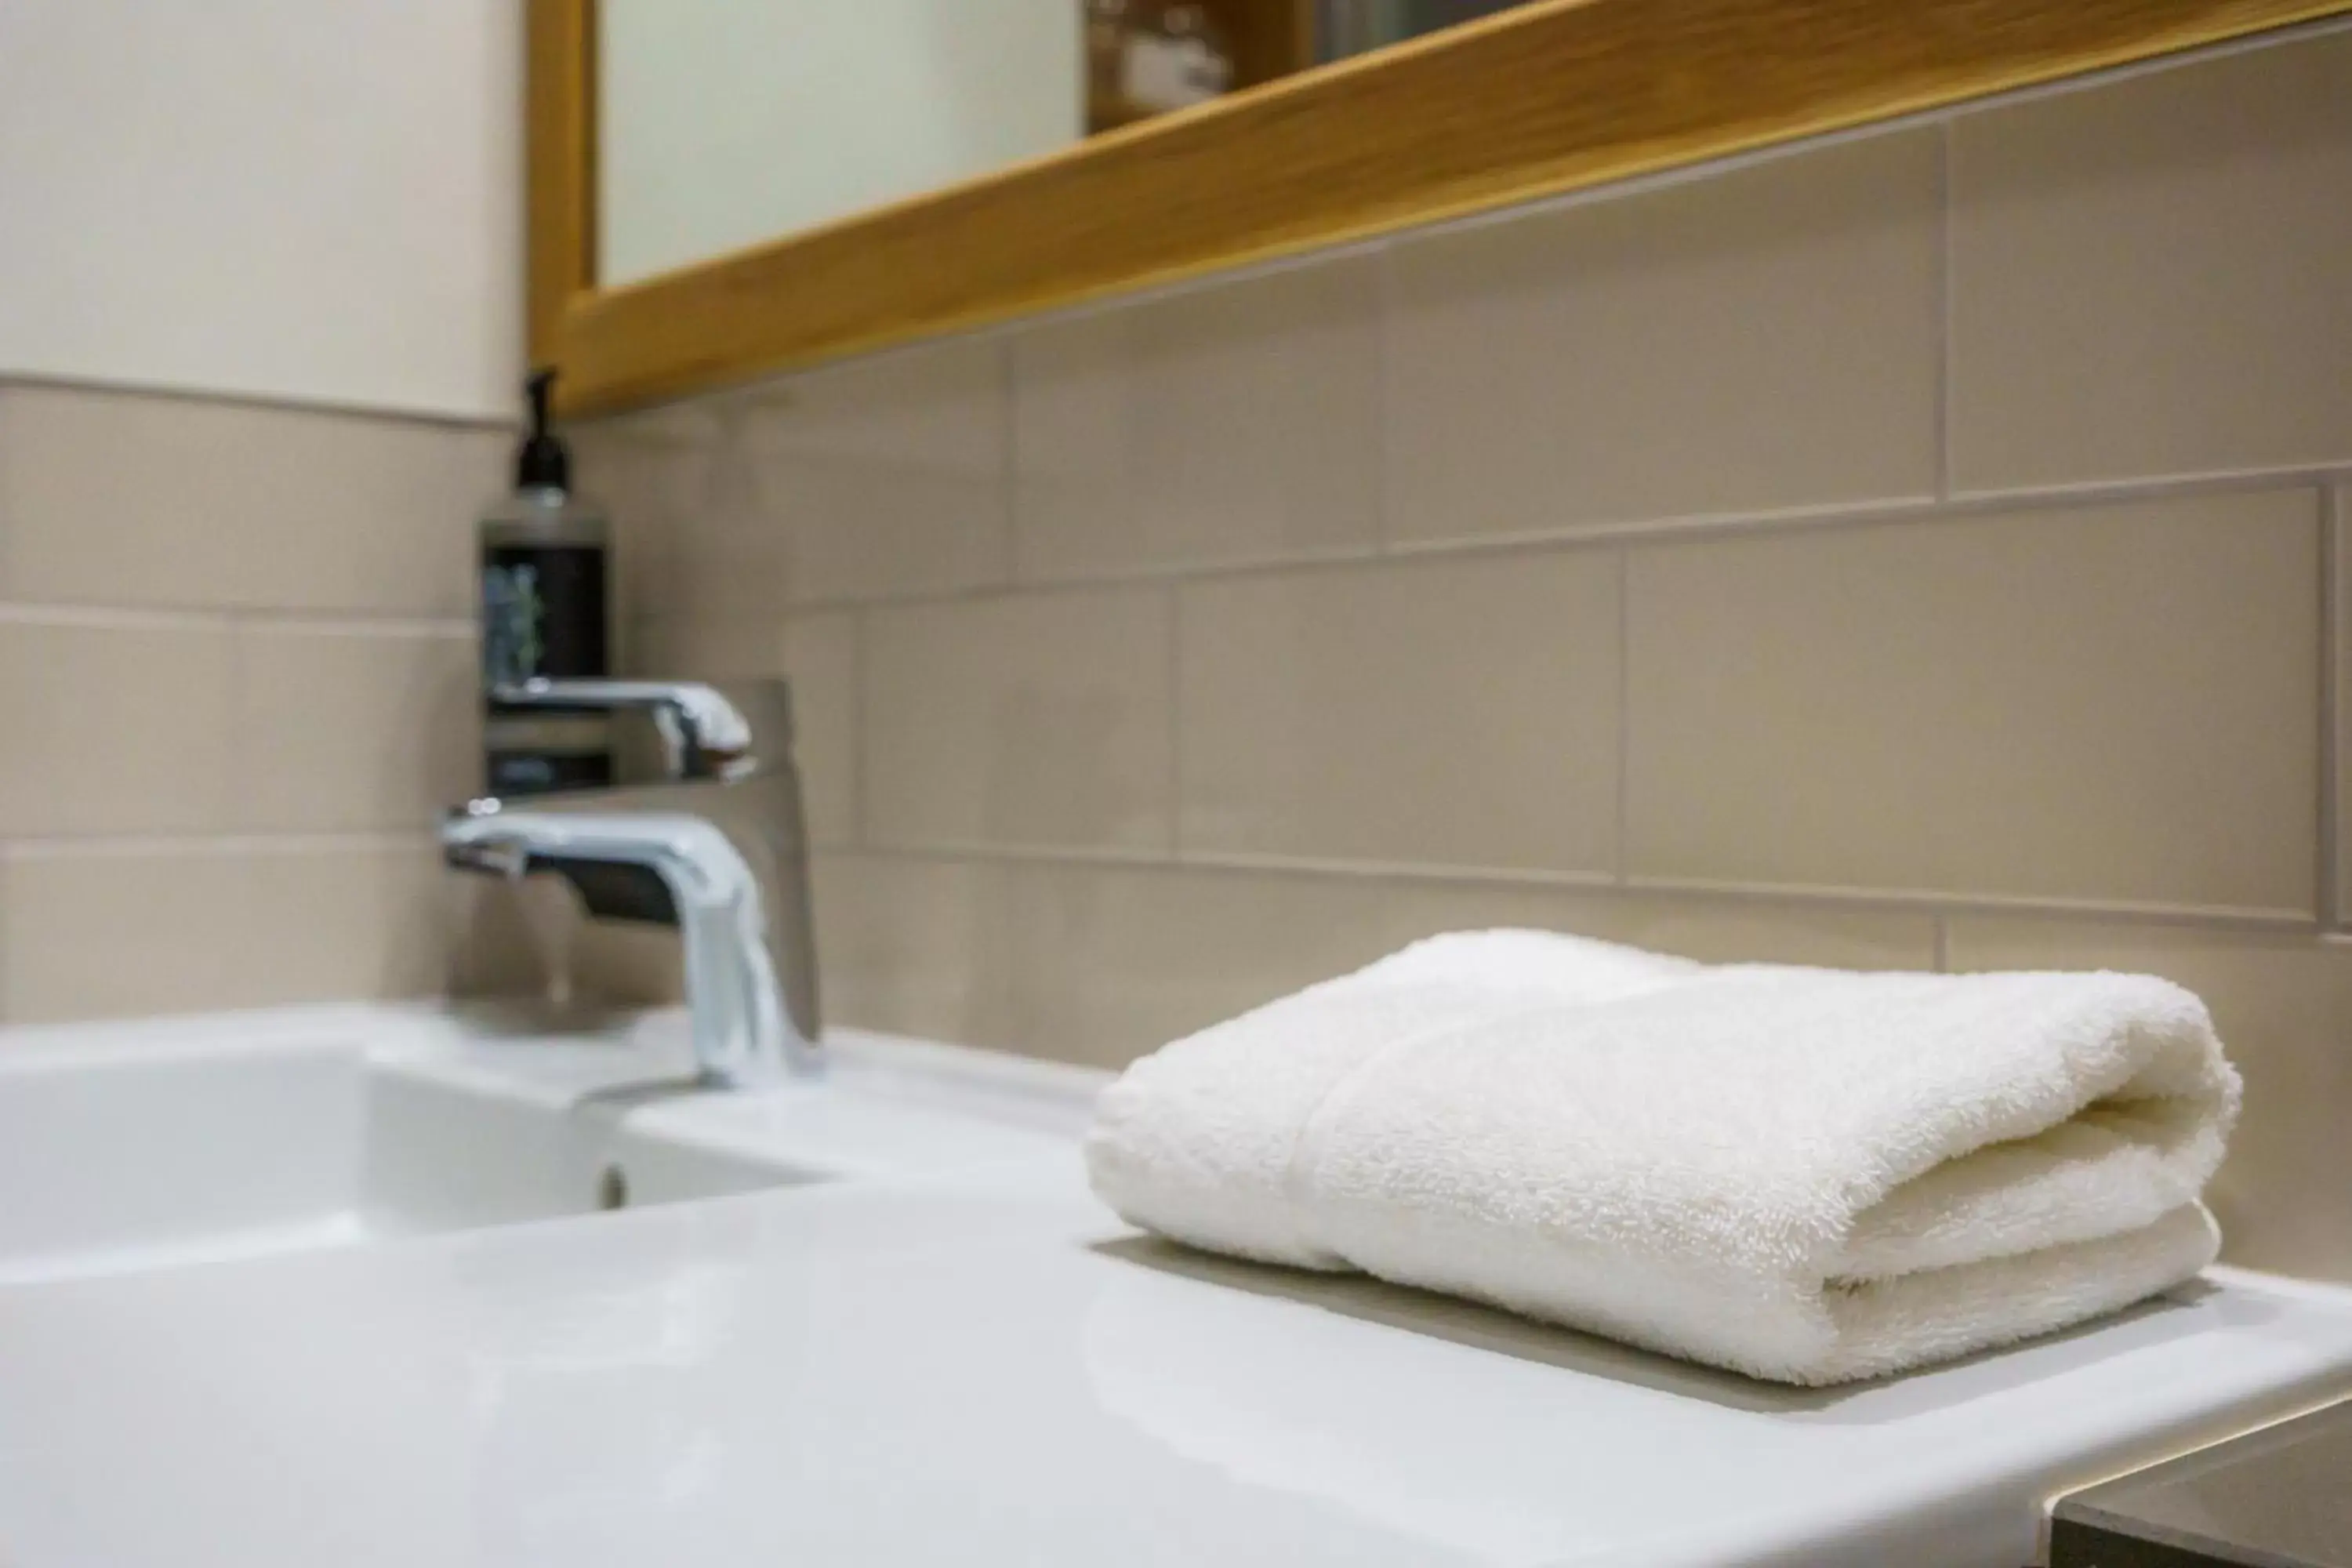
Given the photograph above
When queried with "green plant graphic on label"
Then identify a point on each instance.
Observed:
(512, 615)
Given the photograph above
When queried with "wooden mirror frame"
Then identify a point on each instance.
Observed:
(1549, 98)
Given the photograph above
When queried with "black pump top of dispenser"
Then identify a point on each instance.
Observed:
(541, 462)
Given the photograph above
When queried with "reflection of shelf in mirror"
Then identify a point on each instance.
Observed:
(1114, 115)
(1345, 27)
(1271, 38)
(1148, 57)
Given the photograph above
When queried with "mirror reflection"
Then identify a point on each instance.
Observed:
(722, 125)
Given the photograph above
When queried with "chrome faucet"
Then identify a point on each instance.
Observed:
(716, 848)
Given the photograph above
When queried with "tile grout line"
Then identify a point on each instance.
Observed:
(2331, 699)
(1175, 592)
(443, 421)
(1945, 900)
(1945, 303)
(1620, 853)
(233, 618)
(1658, 533)
(1384, 397)
(1008, 391)
(1938, 906)
(236, 788)
(7, 556)
(114, 846)
(858, 637)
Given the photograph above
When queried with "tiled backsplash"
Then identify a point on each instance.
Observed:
(1911, 551)
(236, 686)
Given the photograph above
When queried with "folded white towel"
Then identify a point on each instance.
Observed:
(1807, 1175)
(1197, 1140)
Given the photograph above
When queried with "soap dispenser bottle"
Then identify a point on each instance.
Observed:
(544, 556)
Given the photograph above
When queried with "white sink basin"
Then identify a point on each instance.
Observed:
(132, 1147)
(220, 1141)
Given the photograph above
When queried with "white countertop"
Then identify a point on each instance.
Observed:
(981, 1365)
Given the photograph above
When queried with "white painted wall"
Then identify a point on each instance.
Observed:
(726, 123)
(309, 199)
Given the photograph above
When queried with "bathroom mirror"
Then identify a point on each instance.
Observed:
(721, 125)
(718, 190)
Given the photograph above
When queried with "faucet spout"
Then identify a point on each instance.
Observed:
(715, 848)
(743, 1036)
(705, 735)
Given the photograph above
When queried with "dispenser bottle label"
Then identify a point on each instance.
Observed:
(542, 613)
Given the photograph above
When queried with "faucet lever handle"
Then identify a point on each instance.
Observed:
(704, 734)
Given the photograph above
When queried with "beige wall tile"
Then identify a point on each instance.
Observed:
(113, 728)
(534, 941)
(1038, 719)
(366, 921)
(1087, 963)
(911, 946)
(653, 474)
(704, 647)
(889, 475)
(820, 655)
(1748, 341)
(1454, 712)
(348, 730)
(1105, 964)
(1110, 962)
(2147, 277)
(132, 499)
(1234, 422)
(2284, 1008)
(126, 930)
(731, 554)
(493, 949)
(118, 934)
(627, 963)
(2339, 611)
(1100, 964)
(1715, 931)
(2108, 704)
